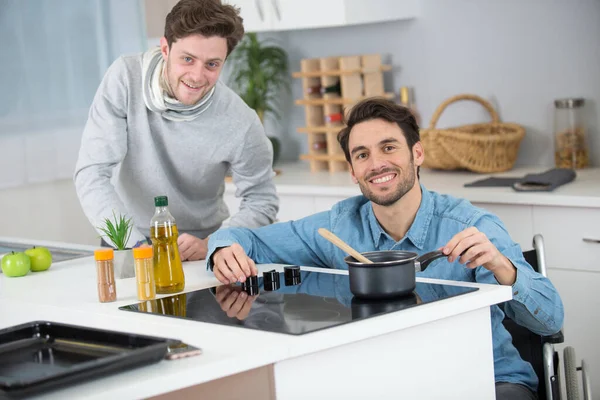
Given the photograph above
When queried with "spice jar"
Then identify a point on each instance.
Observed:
(105, 271)
(144, 273)
(571, 148)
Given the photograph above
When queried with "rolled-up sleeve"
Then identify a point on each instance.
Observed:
(536, 303)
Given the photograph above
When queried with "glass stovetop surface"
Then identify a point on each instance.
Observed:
(319, 301)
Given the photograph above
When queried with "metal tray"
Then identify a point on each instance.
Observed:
(42, 355)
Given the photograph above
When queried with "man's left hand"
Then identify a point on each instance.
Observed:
(473, 248)
(192, 248)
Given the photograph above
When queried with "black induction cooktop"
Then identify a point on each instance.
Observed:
(294, 304)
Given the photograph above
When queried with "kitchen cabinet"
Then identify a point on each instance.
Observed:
(257, 14)
(283, 15)
(571, 236)
(291, 207)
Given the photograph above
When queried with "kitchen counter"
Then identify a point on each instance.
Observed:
(67, 293)
(584, 191)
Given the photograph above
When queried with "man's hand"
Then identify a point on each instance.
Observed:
(479, 251)
(231, 264)
(234, 301)
(192, 248)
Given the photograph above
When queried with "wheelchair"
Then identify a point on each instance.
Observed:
(539, 350)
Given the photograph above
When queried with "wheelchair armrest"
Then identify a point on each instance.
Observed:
(557, 337)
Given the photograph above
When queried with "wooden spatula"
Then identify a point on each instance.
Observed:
(343, 245)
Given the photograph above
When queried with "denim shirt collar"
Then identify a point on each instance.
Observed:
(417, 232)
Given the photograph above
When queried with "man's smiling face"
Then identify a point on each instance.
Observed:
(193, 65)
(381, 162)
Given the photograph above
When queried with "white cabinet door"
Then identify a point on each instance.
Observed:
(580, 296)
(363, 12)
(571, 236)
(305, 14)
(518, 220)
(257, 14)
(284, 15)
(293, 207)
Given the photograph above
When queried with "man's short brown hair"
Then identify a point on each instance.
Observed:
(207, 18)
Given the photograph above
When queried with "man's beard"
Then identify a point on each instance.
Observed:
(394, 194)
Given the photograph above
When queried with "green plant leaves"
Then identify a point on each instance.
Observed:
(117, 230)
(259, 72)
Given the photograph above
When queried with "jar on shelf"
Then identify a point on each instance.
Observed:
(570, 141)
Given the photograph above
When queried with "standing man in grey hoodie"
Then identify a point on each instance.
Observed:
(162, 123)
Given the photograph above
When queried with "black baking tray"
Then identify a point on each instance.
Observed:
(39, 356)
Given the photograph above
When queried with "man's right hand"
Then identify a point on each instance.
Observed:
(231, 264)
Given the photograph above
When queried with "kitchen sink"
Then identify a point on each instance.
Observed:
(58, 253)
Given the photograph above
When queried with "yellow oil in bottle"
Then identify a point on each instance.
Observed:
(168, 271)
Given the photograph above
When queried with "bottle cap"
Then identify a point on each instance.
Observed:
(161, 201)
(104, 254)
(142, 252)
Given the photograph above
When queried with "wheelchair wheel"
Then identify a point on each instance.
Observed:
(571, 382)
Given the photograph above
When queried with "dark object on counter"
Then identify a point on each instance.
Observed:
(546, 181)
(39, 356)
(271, 280)
(543, 182)
(391, 274)
(250, 286)
(291, 275)
(493, 182)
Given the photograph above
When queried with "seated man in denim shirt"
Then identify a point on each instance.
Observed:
(381, 144)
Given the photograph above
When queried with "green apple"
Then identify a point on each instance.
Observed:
(16, 264)
(41, 258)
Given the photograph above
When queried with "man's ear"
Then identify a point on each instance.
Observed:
(352, 173)
(418, 154)
(164, 47)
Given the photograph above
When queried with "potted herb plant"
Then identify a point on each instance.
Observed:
(117, 232)
(259, 71)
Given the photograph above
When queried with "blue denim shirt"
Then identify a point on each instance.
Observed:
(535, 305)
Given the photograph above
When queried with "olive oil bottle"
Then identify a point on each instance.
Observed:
(168, 271)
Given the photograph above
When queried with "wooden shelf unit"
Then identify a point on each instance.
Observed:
(359, 77)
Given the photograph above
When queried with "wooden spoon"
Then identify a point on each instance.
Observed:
(343, 245)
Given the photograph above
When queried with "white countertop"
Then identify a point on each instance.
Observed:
(584, 191)
(67, 293)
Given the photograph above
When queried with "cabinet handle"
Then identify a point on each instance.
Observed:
(275, 4)
(260, 10)
(590, 240)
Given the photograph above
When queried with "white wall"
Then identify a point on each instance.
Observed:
(521, 54)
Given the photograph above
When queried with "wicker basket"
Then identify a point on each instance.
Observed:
(484, 148)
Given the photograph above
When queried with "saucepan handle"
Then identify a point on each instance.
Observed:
(427, 258)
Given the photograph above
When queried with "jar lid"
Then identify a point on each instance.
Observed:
(142, 252)
(104, 254)
(569, 103)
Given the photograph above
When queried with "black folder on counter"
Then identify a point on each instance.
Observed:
(541, 182)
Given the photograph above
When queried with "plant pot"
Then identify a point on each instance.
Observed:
(124, 267)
